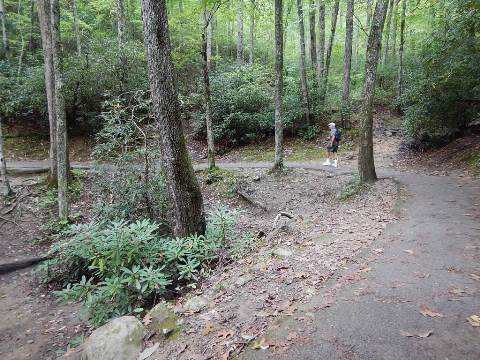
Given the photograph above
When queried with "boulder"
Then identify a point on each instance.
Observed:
(195, 304)
(164, 320)
(120, 339)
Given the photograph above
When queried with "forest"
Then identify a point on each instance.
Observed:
(162, 178)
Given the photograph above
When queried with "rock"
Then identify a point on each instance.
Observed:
(120, 339)
(282, 252)
(195, 304)
(164, 320)
(242, 280)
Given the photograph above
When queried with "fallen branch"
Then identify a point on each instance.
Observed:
(251, 200)
(22, 264)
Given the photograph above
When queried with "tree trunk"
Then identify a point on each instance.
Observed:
(120, 22)
(43, 8)
(206, 87)
(368, 21)
(61, 135)
(240, 31)
(184, 194)
(76, 28)
(5, 49)
(394, 29)
(313, 36)
(303, 73)
(321, 42)
(251, 34)
(400, 50)
(347, 63)
(32, 17)
(366, 164)
(20, 56)
(323, 90)
(387, 32)
(278, 165)
(3, 166)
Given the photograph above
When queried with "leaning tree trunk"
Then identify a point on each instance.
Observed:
(366, 164)
(321, 42)
(251, 37)
(347, 63)
(323, 90)
(240, 31)
(278, 165)
(61, 135)
(184, 193)
(313, 36)
(303, 72)
(5, 49)
(387, 32)
(3, 166)
(43, 8)
(206, 87)
(76, 28)
(400, 50)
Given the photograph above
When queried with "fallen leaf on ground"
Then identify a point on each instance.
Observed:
(148, 352)
(378, 251)
(367, 269)
(207, 329)
(457, 291)
(147, 320)
(474, 320)
(426, 311)
(225, 334)
(411, 252)
(423, 334)
(260, 344)
(475, 277)
(422, 275)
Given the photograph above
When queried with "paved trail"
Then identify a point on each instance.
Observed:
(440, 228)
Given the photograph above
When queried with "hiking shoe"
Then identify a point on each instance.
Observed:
(327, 162)
(335, 163)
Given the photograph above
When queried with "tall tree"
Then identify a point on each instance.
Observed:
(76, 28)
(183, 190)
(321, 41)
(313, 35)
(400, 50)
(240, 31)
(303, 72)
(3, 166)
(207, 17)
(347, 62)
(278, 165)
(366, 164)
(251, 37)
(323, 90)
(5, 49)
(368, 20)
(387, 31)
(60, 116)
(120, 22)
(43, 8)
(394, 29)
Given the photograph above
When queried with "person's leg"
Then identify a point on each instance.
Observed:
(335, 154)
(327, 162)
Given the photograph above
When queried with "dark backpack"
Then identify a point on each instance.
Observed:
(338, 136)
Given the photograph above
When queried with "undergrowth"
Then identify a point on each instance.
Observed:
(353, 188)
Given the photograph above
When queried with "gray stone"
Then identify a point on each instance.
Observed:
(242, 280)
(282, 252)
(164, 320)
(120, 339)
(195, 304)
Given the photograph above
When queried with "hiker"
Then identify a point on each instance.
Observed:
(334, 140)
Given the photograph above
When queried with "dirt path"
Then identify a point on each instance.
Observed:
(429, 260)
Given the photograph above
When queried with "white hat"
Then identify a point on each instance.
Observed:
(331, 125)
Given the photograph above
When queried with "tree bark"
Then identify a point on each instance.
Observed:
(313, 35)
(400, 50)
(184, 194)
(240, 31)
(278, 165)
(387, 32)
(366, 164)
(394, 29)
(3, 166)
(321, 42)
(347, 62)
(76, 28)
(303, 73)
(323, 90)
(120, 22)
(61, 135)
(368, 21)
(251, 38)
(43, 8)
(5, 50)
(206, 88)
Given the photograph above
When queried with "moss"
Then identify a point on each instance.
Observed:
(352, 188)
(473, 159)
(224, 180)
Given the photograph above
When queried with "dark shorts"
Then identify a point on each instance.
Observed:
(332, 148)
